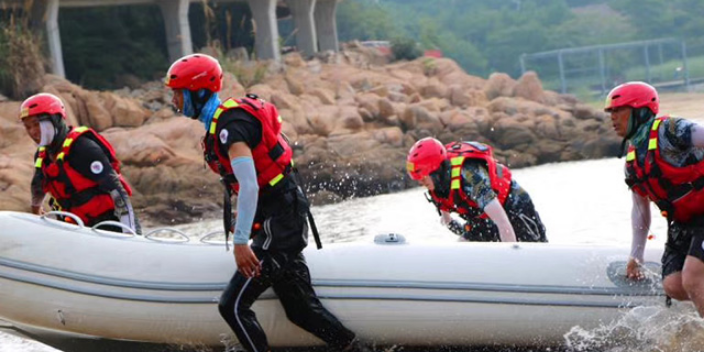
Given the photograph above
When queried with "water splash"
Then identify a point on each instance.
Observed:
(643, 329)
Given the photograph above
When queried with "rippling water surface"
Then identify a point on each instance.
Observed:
(579, 202)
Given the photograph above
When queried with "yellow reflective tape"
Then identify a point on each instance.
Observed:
(656, 124)
(653, 144)
(456, 161)
(213, 123)
(230, 104)
(292, 163)
(41, 149)
(81, 129)
(455, 184)
(61, 156)
(39, 162)
(631, 155)
(456, 172)
(24, 113)
(280, 119)
(276, 179)
(68, 142)
(410, 166)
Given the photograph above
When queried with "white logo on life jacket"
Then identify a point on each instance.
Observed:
(96, 167)
(223, 136)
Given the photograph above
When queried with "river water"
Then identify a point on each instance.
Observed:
(579, 202)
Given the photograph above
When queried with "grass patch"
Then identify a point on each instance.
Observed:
(21, 59)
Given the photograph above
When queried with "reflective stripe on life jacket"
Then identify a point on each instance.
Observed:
(677, 191)
(272, 156)
(73, 191)
(458, 201)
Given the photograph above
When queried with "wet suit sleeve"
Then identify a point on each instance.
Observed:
(477, 184)
(240, 126)
(36, 188)
(89, 159)
(680, 132)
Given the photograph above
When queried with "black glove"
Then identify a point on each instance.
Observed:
(456, 228)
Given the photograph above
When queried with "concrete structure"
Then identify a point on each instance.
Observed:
(266, 29)
(178, 30)
(314, 20)
(302, 12)
(325, 25)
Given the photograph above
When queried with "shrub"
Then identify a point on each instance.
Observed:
(405, 48)
(21, 60)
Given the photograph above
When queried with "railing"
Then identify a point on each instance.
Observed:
(180, 236)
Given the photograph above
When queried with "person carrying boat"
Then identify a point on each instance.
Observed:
(76, 166)
(244, 144)
(664, 165)
(464, 177)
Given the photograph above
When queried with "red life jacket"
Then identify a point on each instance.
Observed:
(70, 189)
(458, 201)
(272, 156)
(677, 191)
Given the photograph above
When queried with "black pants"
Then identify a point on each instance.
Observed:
(683, 239)
(289, 276)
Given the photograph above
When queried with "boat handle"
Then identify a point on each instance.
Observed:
(207, 238)
(130, 232)
(73, 216)
(183, 236)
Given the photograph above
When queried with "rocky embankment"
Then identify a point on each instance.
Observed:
(351, 119)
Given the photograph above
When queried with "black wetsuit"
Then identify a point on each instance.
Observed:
(282, 212)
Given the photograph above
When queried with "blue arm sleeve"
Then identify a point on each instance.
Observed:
(247, 199)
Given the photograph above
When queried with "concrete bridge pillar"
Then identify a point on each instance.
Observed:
(178, 31)
(46, 13)
(266, 38)
(302, 12)
(325, 25)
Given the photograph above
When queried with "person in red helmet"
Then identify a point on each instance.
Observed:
(244, 144)
(464, 177)
(663, 165)
(77, 166)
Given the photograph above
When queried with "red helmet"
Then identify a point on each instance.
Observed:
(425, 157)
(635, 95)
(43, 103)
(194, 72)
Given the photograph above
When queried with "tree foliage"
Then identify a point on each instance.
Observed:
(490, 35)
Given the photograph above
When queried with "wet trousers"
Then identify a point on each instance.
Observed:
(288, 275)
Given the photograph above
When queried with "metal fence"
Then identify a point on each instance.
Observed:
(594, 70)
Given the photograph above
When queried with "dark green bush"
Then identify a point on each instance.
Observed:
(405, 48)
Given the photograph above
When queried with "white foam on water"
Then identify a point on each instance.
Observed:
(643, 329)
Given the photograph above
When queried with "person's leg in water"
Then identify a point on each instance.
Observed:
(693, 271)
(235, 307)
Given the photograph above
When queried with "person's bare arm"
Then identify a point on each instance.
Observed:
(497, 214)
(640, 223)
